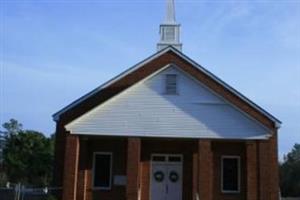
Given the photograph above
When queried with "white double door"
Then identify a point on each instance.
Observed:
(166, 180)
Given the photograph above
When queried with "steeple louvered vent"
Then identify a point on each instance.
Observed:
(170, 29)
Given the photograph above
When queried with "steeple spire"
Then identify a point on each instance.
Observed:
(170, 17)
(170, 29)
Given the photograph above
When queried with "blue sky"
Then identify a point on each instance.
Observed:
(53, 52)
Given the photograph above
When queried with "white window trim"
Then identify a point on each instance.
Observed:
(167, 156)
(238, 158)
(110, 175)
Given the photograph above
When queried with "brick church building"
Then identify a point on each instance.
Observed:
(166, 129)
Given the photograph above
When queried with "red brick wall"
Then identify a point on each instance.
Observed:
(232, 149)
(133, 168)
(118, 146)
(195, 175)
(83, 173)
(259, 175)
(71, 167)
(82, 170)
(274, 167)
(251, 170)
(205, 170)
(268, 169)
(59, 156)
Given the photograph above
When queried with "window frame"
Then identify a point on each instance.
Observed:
(167, 158)
(238, 158)
(110, 170)
(166, 84)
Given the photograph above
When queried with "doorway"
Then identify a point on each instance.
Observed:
(166, 177)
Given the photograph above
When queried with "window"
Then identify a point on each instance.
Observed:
(174, 158)
(171, 84)
(230, 174)
(159, 158)
(102, 170)
(167, 158)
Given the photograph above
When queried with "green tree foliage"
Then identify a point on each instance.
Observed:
(28, 155)
(12, 127)
(3, 179)
(290, 173)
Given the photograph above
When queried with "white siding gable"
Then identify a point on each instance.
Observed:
(145, 110)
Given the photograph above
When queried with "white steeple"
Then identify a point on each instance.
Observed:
(170, 16)
(170, 29)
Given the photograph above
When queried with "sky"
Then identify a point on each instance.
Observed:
(54, 51)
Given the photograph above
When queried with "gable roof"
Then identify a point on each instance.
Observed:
(151, 65)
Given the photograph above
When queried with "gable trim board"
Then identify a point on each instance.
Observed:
(56, 116)
(153, 64)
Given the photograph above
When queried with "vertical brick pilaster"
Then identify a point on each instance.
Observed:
(205, 170)
(268, 169)
(195, 175)
(60, 136)
(145, 179)
(89, 173)
(264, 170)
(82, 171)
(133, 168)
(274, 183)
(251, 167)
(71, 167)
(89, 184)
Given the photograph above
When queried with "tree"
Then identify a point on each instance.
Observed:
(28, 155)
(290, 173)
(12, 127)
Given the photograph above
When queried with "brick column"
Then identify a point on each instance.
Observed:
(195, 175)
(274, 183)
(268, 169)
(70, 167)
(82, 170)
(251, 168)
(133, 168)
(205, 170)
(59, 157)
(264, 170)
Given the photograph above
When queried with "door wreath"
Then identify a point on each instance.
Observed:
(159, 176)
(173, 176)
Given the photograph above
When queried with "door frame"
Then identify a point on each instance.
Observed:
(166, 155)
